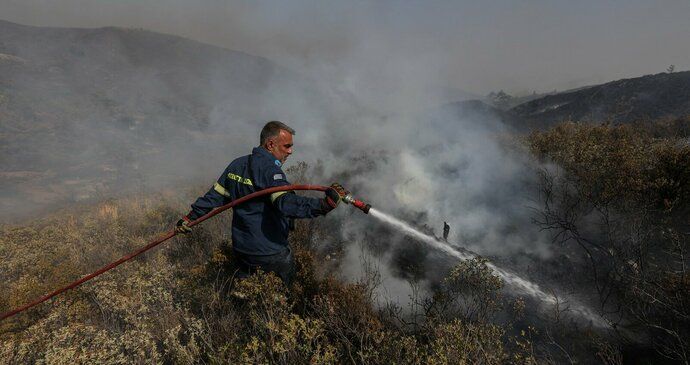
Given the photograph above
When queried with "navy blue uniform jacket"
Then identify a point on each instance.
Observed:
(259, 226)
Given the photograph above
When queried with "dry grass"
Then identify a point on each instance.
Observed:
(172, 305)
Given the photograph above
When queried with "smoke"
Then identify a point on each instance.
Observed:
(376, 120)
(371, 114)
(141, 110)
(429, 167)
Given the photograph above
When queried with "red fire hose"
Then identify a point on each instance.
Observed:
(348, 199)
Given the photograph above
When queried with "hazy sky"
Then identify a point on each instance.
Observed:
(477, 46)
(388, 57)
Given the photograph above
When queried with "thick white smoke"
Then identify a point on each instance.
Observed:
(373, 119)
(410, 157)
(396, 143)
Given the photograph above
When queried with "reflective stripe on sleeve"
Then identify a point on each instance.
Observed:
(221, 190)
(277, 195)
(240, 179)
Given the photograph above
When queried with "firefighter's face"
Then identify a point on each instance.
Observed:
(280, 146)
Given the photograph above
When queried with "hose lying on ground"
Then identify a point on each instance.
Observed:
(158, 241)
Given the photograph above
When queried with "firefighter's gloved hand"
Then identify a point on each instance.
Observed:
(182, 226)
(334, 194)
(340, 189)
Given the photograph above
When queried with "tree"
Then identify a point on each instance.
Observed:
(500, 99)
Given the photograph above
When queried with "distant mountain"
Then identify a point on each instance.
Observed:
(85, 110)
(646, 97)
(124, 71)
(665, 95)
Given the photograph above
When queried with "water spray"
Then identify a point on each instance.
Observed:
(513, 281)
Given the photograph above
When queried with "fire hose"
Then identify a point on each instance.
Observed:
(170, 234)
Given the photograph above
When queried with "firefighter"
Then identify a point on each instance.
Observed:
(260, 226)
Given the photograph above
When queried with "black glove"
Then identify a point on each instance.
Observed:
(334, 194)
(182, 226)
(340, 189)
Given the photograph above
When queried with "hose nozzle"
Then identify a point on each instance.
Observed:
(364, 207)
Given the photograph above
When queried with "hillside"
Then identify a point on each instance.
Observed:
(95, 112)
(647, 97)
(84, 111)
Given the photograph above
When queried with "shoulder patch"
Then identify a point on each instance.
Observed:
(278, 177)
(278, 163)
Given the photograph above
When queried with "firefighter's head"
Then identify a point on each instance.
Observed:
(276, 137)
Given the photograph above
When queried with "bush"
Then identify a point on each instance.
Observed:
(621, 201)
(175, 304)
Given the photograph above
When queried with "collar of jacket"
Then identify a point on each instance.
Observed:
(260, 151)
